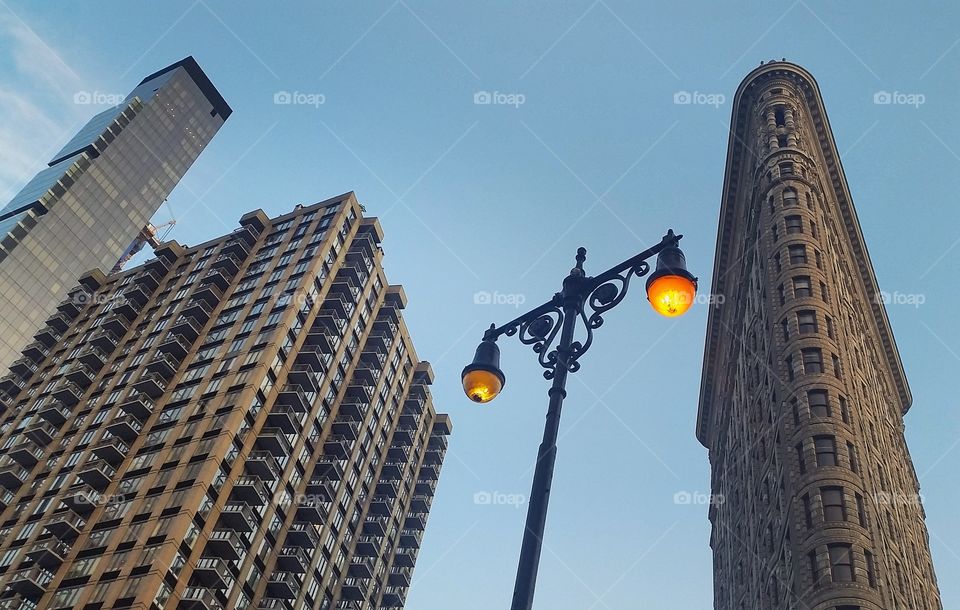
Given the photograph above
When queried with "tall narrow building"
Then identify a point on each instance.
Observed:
(83, 210)
(243, 424)
(803, 393)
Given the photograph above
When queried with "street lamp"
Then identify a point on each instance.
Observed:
(670, 289)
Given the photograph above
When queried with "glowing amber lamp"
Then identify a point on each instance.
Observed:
(671, 295)
(482, 378)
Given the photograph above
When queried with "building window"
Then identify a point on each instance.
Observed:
(812, 360)
(837, 369)
(789, 197)
(807, 322)
(801, 287)
(801, 460)
(861, 511)
(779, 116)
(807, 512)
(844, 410)
(824, 293)
(819, 403)
(841, 562)
(786, 330)
(830, 331)
(814, 569)
(789, 364)
(852, 454)
(786, 169)
(826, 449)
(782, 294)
(871, 569)
(798, 254)
(794, 225)
(774, 232)
(834, 508)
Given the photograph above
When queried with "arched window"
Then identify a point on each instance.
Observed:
(789, 197)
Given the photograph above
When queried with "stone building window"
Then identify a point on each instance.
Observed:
(812, 360)
(774, 233)
(871, 569)
(789, 364)
(786, 169)
(782, 141)
(841, 562)
(801, 460)
(834, 508)
(794, 224)
(785, 328)
(801, 287)
(852, 454)
(789, 197)
(807, 511)
(814, 568)
(782, 294)
(819, 403)
(779, 115)
(826, 450)
(777, 264)
(837, 369)
(861, 511)
(830, 331)
(798, 254)
(824, 293)
(807, 322)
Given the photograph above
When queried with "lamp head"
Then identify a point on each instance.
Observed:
(671, 288)
(482, 379)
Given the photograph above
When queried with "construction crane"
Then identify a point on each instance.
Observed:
(148, 235)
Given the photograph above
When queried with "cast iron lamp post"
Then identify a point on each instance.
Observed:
(670, 290)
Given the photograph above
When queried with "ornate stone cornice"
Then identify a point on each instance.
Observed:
(734, 184)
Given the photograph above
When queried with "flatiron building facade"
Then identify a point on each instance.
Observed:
(803, 393)
(242, 424)
(83, 210)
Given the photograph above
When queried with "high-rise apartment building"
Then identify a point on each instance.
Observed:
(243, 424)
(803, 392)
(84, 209)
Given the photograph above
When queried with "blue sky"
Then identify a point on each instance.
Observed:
(585, 146)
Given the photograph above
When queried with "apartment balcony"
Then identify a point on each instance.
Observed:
(71, 306)
(25, 452)
(239, 517)
(399, 578)
(433, 457)
(366, 375)
(363, 393)
(151, 384)
(105, 339)
(93, 357)
(199, 310)
(354, 408)
(337, 446)
(274, 441)
(329, 469)
(381, 506)
(126, 427)
(48, 336)
(390, 313)
(55, 414)
(303, 535)
(346, 429)
(97, 473)
(310, 512)
(217, 278)
(283, 585)
(59, 321)
(367, 547)
(199, 598)
(420, 504)
(410, 539)
(403, 437)
(391, 599)
(176, 346)
(413, 406)
(360, 568)
(113, 450)
(404, 560)
(116, 324)
(354, 590)
(68, 393)
(373, 356)
(228, 263)
(159, 265)
(188, 327)
(320, 489)
(304, 376)
(338, 307)
(127, 308)
(212, 572)
(263, 465)
(414, 522)
(380, 339)
(392, 471)
(237, 247)
(247, 234)
(293, 559)
(164, 365)
(251, 490)
(285, 418)
(23, 367)
(6, 498)
(36, 351)
(225, 544)
(139, 406)
(209, 293)
(67, 524)
(149, 279)
(425, 488)
(327, 322)
(429, 473)
(31, 582)
(11, 383)
(387, 490)
(398, 454)
(49, 553)
(81, 375)
(82, 499)
(319, 339)
(376, 526)
(314, 356)
(294, 397)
